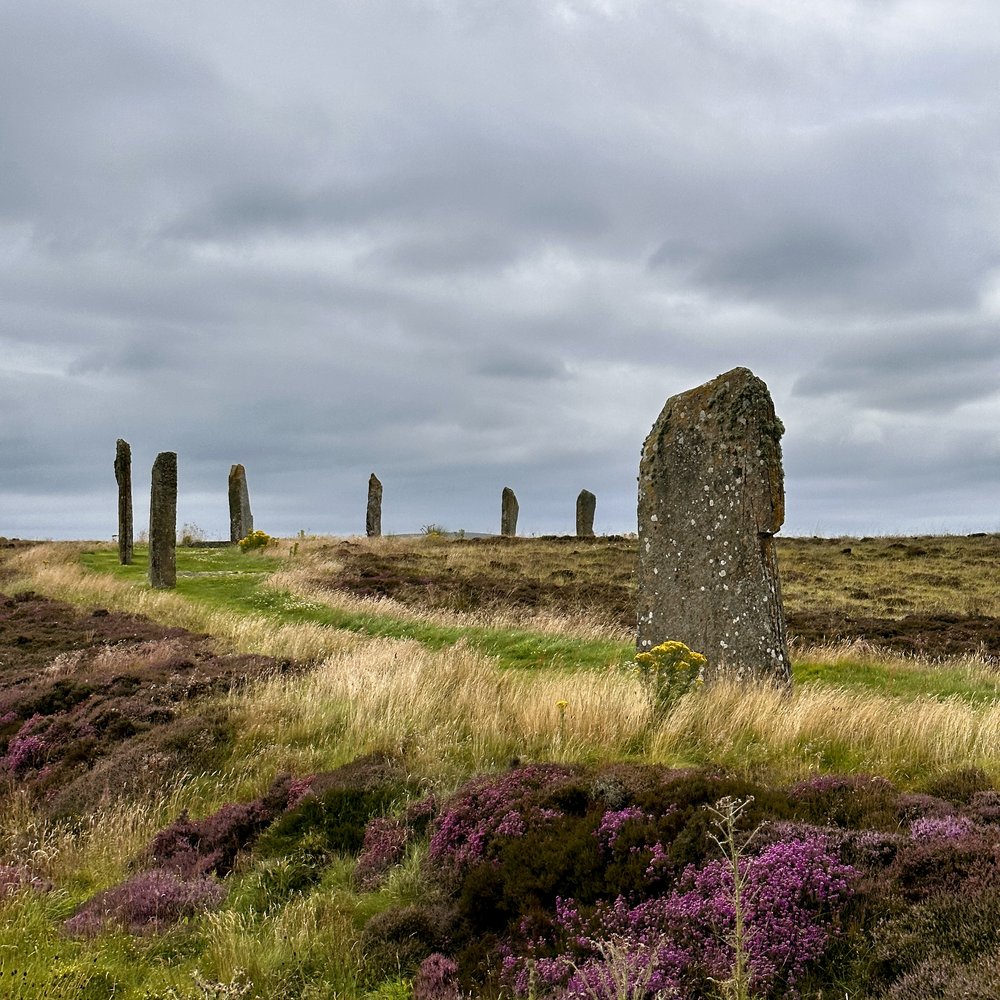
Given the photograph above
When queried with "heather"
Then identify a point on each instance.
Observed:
(291, 790)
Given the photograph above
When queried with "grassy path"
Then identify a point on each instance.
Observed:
(226, 579)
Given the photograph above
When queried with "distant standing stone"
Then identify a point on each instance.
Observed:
(163, 521)
(373, 517)
(240, 517)
(123, 475)
(508, 513)
(711, 497)
(586, 505)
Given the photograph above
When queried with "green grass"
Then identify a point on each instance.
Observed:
(292, 940)
(902, 679)
(230, 580)
(227, 579)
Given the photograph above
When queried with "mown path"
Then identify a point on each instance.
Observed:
(229, 580)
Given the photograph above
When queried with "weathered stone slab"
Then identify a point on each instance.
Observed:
(373, 516)
(123, 476)
(240, 516)
(508, 513)
(586, 505)
(711, 497)
(163, 521)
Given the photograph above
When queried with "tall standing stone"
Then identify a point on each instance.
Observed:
(711, 497)
(163, 521)
(373, 516)
(508, 513)
(123, 476)
(586, 505)
(240, 517)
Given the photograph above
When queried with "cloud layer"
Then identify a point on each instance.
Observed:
(476, 243)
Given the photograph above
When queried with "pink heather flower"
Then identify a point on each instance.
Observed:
(148, 902)
(941, 827)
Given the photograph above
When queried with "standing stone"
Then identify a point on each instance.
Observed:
(373, 517)
(163, 521)
(586, 504)
(123, 475)
(240, 517)
(711, 497)
(508, 513)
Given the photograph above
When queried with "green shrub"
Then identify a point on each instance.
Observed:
(396, 941)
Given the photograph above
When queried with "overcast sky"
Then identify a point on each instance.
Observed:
(469, 244)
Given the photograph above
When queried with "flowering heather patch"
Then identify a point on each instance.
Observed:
(27, 750)
(941, 827)
(13, 878)
(436, 979)
(383, 848)
(198, 847)
(612, 822)
(491, 806)
(794, 891)
(146, 903)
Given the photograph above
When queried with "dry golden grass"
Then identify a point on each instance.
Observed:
(452, 712)
(890, 577)
(313, 563)
(54, 570)
(448, 712)
(762, 729)
(94, 850)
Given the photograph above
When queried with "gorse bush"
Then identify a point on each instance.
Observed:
(668, 671)
(255, 540)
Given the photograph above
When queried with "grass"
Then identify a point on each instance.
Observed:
(230, 581)
(447, 674)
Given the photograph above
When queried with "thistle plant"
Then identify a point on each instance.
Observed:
(726, 816)
(668, 671)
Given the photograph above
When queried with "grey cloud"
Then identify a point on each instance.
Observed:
(933, 372)
(478, 244)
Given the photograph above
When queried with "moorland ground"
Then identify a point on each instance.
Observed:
(291, 700)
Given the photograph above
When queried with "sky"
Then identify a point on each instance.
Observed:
(469, 244)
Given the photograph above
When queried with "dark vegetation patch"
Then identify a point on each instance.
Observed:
(927, 596)
(301, 822)
(494, 574)
(97, 704)
(932, 635)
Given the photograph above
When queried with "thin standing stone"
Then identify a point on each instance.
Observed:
(373, 516)
(711, 497)
(240, 516)
(123, 476)
(508, 513)
(586, 505)
(163, 521)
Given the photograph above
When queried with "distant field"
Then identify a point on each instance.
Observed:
(933, 595)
